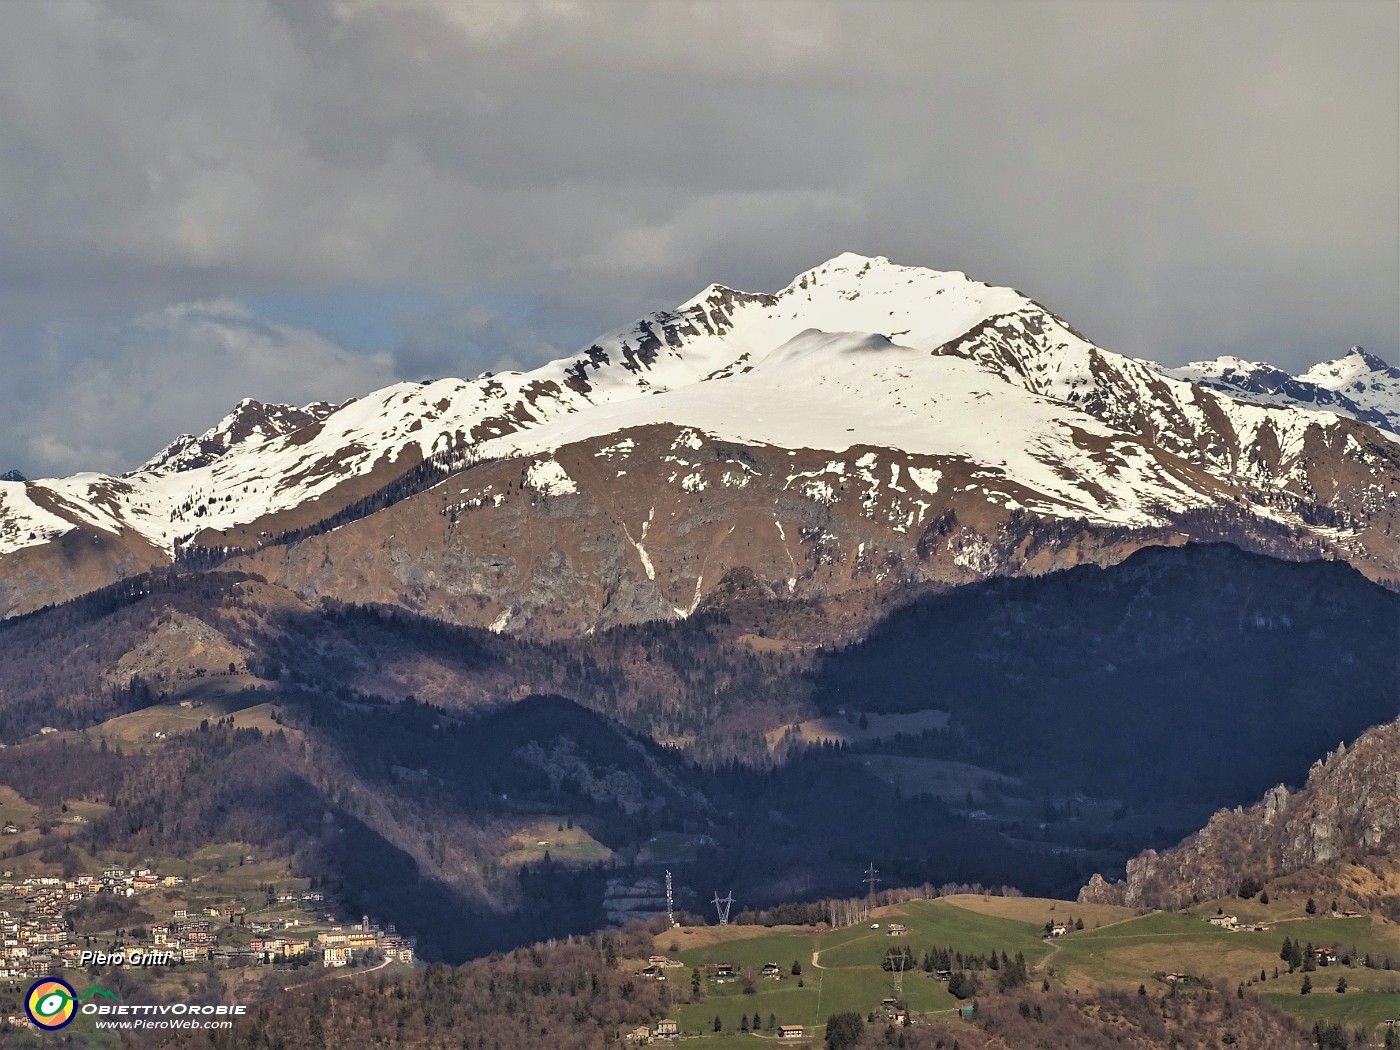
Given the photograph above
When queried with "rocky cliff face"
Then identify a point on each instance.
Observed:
(1349, 810)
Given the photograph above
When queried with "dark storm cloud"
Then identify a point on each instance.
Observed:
(1180, 180)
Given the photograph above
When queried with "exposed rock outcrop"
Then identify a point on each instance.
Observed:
(1348, 811)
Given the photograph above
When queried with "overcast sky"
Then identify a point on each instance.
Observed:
(304, 200)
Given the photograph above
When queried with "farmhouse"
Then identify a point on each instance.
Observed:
(667, 1029)
(791, 1031)
(897, 929)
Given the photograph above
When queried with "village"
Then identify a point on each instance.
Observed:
(38, 934)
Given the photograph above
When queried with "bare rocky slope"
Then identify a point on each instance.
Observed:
(868, 427)
(1339, 834)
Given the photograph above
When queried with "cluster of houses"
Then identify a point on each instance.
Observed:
(38, 939)
(341, 946)
(892, 1011)
(664, 1031)
(721, 973)
(1232, 923)
(33, 945)
(667, 1030)
(36, 936)
(656, 967)
(194, 938)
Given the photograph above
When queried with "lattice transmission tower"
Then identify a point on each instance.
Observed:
(722, 906)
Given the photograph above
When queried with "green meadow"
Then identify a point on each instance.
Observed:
(841, 970)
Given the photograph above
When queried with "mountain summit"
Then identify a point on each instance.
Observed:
(866, 427)
(1358, 384)
(250, 423)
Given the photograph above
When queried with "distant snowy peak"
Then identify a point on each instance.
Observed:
(12, 475)
(1364, 379)
(1357, 368)
(250, 423)
(1232, 373)
(1358, 384)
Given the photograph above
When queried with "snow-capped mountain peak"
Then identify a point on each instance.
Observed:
(250, 423)
(1358, 384)
(1357, 371)
(981, 398)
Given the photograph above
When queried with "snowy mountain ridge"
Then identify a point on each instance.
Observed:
(1358, 384)
(971, 381)
(250, 423)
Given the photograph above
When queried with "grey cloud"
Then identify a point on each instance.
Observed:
(107, 397)
(1177, 178)
(451, 340)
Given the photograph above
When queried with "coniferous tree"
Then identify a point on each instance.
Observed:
(843, 1031)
